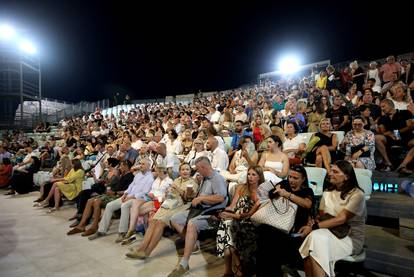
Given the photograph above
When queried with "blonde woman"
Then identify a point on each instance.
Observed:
(325, 149)
(58, 172)
(70, 186)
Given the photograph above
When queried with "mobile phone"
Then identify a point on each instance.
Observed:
(295, 235)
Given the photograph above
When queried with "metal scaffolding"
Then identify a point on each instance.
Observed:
(20, 80)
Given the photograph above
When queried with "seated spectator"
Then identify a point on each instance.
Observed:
(390, 69)
(296, 189)
(95, 204)
(325, 149)
(70, 186)
(373, 74)
(322, 80)
(402, 168)
(58, 172)
(27, 160)
(400, 96)
(339, 115)
(226, 121)
(326, 104)
(236, 234)
(150, 202)
(245, 157)
(211, 196)
(181, 192)
(240, 115)
(212, 133)
(352, 95)
(257, 133)
(22, 179)
(186, 143)
(218, 157)
(368, 100)
(98, 179)
(297, 118)
(345, 201)
(369, 123)
(168, 160)
(236, 136)
(4, 153)
(173, 144)
(293, 146)
(394, 129)
(5, 172)
(195, 153)
(360, 145)
(136, 190)
(274, 160)
(358, 75)
(315, 118)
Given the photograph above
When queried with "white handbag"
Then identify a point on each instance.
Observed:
(279, 213)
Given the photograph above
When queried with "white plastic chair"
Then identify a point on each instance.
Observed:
(317, 175)
(364, 181)
(227, 141)
(340, 136)
(305, 137)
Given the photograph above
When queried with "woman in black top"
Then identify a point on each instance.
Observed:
(324, 151)
(276, 248)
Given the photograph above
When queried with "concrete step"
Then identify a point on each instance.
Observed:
(391, 205)
(388, 253)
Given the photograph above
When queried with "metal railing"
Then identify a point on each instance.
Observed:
(77, 109)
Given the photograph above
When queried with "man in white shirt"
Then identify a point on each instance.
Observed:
(218, 157)
(169, 160)
(215, 115)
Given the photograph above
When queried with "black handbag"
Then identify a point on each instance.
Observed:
(98, 188)
(355, 149)
(194, 212)
(339, 231)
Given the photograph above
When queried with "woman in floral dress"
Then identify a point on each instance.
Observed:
(236, 234)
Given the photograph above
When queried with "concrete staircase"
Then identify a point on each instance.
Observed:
(390, 216)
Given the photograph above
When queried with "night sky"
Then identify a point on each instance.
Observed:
(90, 51)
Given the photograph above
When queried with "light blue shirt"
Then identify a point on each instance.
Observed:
(140, 185)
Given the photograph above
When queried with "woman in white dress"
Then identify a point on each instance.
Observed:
(345, 202)
(274, 161)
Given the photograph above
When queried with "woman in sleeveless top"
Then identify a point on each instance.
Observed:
(274, 160)
(325, 149)
(236, 233)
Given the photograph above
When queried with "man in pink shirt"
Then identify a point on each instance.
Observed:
(388, 69)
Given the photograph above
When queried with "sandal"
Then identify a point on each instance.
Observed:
(404, 171)
(51, 210)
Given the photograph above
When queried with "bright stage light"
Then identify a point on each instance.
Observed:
(289, 65)
(27, 47)
(6, 32)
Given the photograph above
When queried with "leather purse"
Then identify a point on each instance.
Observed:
(339, 231)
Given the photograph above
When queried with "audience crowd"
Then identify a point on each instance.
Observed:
(198, 168)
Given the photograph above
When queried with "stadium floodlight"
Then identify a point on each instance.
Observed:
(6, 32)
(289, 65)
(27, 46)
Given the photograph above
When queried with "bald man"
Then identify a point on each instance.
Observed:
(218, 157)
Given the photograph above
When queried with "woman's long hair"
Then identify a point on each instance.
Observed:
(77, 164)
(245, 189)
(300, 169)
(349, 184)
